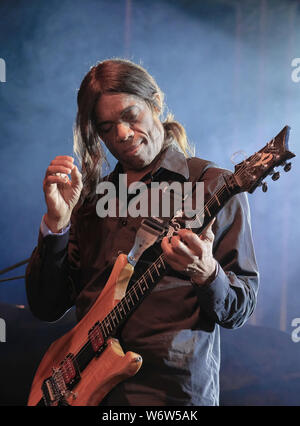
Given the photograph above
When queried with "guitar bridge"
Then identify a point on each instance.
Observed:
(58, 386)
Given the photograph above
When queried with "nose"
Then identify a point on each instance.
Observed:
(124, 132)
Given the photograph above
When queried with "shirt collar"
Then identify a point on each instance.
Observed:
(174, 161)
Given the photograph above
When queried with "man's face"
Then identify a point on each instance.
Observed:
(129, 129)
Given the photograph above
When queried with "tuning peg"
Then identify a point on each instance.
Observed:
(275, 176)
(264, 186)
(287, 167)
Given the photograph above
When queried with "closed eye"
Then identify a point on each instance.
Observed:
(105, 127)
(130, 115)
(130, 118)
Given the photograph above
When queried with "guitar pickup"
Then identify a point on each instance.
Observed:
(69, 371)
(96, 339)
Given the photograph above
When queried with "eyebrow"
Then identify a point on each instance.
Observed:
(129, 108)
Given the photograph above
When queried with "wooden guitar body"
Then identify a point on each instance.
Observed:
(104, 371)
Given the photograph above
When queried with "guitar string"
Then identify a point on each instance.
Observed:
(160, 261)
(135, 286)
(109, 319)
(152, 267)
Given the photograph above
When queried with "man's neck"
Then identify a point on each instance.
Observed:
(136, 175)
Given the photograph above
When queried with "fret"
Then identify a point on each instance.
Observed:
(144, 278)
(129, 297)
(228, 191)
(123, 310)
(125, 300)
(138, 283)
(149, 273)
(216, 197)
(113, 317)
(156, 268)
(117, 311)
(103, 330)
(162, 262)
(207, 210)
(108, 324)
(129, 300)
(111, 321)
(217, 201)
(121, 307)
(137, 298)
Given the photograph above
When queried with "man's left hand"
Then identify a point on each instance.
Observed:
(191, 254)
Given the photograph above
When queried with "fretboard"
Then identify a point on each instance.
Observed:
(147, 281)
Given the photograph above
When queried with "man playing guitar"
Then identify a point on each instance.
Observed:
(212, 279)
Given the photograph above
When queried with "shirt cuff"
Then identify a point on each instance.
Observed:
(46, 231)
(215, 292)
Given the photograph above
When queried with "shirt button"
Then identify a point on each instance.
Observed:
(124, 222)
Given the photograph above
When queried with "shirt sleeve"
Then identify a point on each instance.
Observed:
(231, 297)
(46, 231)
(52, 273)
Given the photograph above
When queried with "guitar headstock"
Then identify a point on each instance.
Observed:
(250, 173)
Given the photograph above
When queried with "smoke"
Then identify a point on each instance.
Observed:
(226, 68)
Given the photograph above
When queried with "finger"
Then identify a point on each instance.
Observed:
(64, 157)
(193, 241)
(188, 236)
(172, 257)
(55, 179)
(51, 170)
(76, 176)
(176, 266)
(180, 248)
(62, 162)
(207, 233)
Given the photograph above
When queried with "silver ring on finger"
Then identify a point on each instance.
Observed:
(192, 269)
(63, 175)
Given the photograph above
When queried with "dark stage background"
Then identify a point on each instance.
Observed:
(229, 70)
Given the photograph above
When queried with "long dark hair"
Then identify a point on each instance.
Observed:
(119, 76)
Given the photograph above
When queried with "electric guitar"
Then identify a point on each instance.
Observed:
(82, 366)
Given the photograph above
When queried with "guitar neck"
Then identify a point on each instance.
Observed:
(147, 281)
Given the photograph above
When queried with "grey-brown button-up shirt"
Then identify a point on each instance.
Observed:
(176, 327)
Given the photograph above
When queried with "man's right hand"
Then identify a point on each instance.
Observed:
(61, 193)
